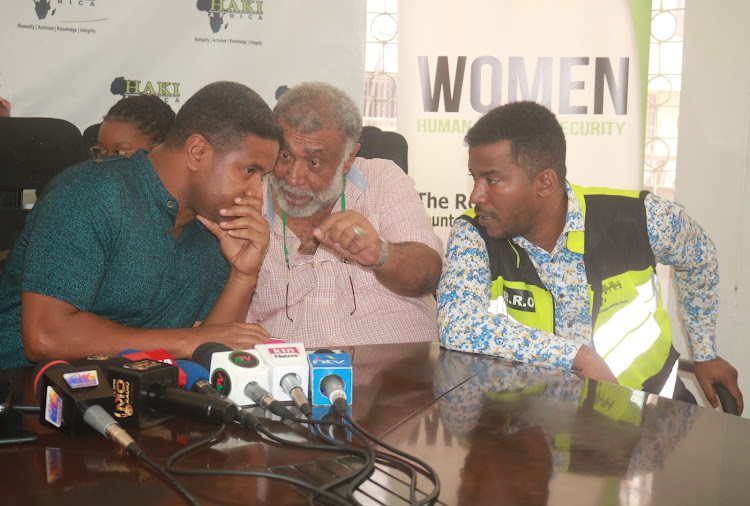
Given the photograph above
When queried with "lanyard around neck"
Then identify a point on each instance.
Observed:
(283, 221)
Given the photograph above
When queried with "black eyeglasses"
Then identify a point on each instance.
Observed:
(98, 152)
(320, 264)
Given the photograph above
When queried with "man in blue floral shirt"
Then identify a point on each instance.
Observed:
(542, 271)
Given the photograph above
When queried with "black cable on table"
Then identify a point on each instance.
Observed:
(169, 466)
(360, 475)
(171, 479)
(433, 476)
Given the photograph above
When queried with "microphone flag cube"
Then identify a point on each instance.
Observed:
(323, 365)
(131, 382)
(231, 371)
(283, 359)
(61, 389)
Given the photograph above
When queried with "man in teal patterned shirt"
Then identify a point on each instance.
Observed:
(159, 250)
(541, 271)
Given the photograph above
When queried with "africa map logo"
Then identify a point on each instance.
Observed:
(221, 11)
(44, 7)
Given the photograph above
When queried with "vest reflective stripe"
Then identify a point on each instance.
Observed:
(631, 346)
(636, 340)
(630, 331)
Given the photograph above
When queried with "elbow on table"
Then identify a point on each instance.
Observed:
(41, 342)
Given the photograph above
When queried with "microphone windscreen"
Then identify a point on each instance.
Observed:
(44, 366)
(202, 354)
(193, 371)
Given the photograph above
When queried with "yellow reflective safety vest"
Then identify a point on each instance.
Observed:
(630, 327)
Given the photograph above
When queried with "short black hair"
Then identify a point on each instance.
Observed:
(537, 141)
(150, 115)
(224, 112)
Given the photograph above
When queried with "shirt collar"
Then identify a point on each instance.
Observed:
(574, 222)
(355, 184)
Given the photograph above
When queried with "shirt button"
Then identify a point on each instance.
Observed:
(169, 229)
(170, 204)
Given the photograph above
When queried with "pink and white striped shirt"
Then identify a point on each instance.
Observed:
(320, 293)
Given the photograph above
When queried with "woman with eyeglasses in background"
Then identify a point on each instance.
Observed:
(133, 123)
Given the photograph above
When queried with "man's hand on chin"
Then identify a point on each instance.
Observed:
(244, 236)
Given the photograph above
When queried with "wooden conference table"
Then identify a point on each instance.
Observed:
(497, 433)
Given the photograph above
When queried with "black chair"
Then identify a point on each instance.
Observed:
(91, 138)
(727, 402)
(376, 143)
(12, 222)
(34, 150)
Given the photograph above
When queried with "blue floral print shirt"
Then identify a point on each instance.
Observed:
(465, 286)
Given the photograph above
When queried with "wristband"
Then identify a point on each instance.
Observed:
(383, 255)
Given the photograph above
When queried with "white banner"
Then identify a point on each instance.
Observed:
(457, 61)
(73, 59)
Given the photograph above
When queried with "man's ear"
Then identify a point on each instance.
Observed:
(351, 157)
(197, 150)
(546, 183)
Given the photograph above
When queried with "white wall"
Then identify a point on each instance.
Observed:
(712, 159)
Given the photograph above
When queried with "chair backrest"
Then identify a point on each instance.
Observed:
(376, 143)
(35, 150)
(91, 138)
(12, 222)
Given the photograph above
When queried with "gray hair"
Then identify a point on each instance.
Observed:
(314, 106)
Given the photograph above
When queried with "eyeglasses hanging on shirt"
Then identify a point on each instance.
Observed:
(290, 267)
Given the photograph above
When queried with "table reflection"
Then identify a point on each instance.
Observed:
(524, 425)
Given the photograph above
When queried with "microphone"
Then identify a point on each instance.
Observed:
(197, 381)
(333, 387)
(289, 372)
(244, 375)
(193, 372)
(232, 370)
(144, 394)
(330, 379)
(204, 387)
(291, 385)
(72, 396)
(262, 397)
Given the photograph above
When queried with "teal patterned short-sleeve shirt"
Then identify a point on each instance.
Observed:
(101, 238)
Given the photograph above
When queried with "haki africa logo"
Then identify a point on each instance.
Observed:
(131, 87)
(44, 7)
(220, 11)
